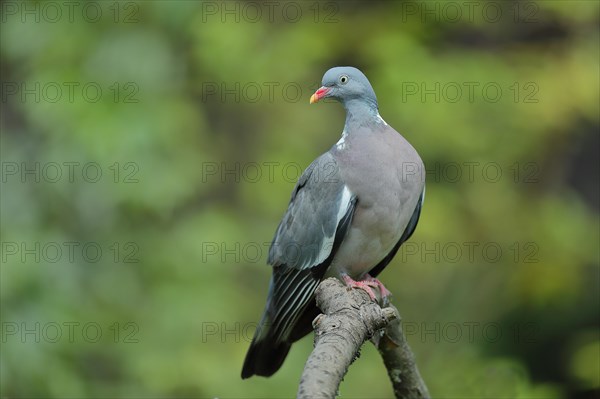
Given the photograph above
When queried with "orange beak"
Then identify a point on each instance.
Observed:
(319, 94)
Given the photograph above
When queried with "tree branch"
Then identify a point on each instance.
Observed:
(349, 319)
(400, 362)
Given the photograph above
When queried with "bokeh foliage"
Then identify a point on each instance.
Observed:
(523, 323)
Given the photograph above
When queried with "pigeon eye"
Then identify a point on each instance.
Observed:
(343, 79)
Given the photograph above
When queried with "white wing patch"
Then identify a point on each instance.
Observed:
(327, 244)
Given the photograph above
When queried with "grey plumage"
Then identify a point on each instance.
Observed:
(349, 213)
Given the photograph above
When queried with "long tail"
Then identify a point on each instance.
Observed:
(264, 357)
(286, 319)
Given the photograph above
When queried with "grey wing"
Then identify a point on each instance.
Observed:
(306, 233)
(316, 221)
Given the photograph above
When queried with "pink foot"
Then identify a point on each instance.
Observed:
(367, 284)
(384, 291)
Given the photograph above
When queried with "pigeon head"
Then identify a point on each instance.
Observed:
(347, 85)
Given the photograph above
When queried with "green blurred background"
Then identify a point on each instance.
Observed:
(149, 150)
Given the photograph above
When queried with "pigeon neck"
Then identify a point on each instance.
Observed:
(360, 112)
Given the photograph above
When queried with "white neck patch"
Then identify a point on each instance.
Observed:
(341, 144)
(380, 119)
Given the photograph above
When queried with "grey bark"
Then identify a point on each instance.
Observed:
(350, 318)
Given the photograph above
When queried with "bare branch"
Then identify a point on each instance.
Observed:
(400, 362)
(350, 318)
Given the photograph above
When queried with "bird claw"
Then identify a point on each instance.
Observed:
(384, 291)
(367, 284)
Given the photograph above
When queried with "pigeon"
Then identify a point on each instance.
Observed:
(348, 215)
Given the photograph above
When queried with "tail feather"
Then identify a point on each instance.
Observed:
(291, 292)
(264, 358)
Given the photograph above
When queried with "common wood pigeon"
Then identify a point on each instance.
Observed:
(349, 213)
